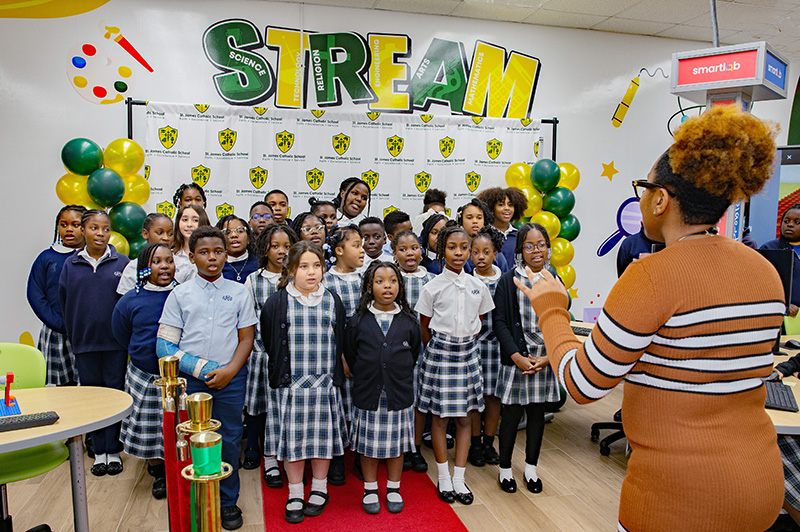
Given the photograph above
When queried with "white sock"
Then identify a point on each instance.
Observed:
(458, 480)
(296, 492)
(271, 464)
(372, 498)
(114, 457)
(506, 474)
(445, 483)
(321, 485)
(530, 472)
(100, 459)
(393, 496)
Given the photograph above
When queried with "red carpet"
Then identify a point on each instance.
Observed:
(423, 511)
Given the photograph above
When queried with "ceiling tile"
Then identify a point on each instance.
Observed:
(546, 17)
(363, 4)
(692, 33)
(590, 7)
(428, 7)
(492, 11)
(742, 16)
(674, 11)
(623, 25)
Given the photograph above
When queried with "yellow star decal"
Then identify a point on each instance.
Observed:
(609, 170)
(573, 293)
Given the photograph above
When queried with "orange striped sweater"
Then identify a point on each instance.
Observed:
(690, 329)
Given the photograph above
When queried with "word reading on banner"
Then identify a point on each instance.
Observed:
(723, 67)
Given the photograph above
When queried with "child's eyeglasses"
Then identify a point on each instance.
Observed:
(239, 231)
(528, 248)
(258, 217)
(312, 229)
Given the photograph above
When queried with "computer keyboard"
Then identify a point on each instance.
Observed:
(26, 421)
(780, 397)
(582, 331)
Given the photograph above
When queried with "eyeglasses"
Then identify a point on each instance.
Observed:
(528, 248)
(312, 229)
(239, 231)
(644, 183)
(257, 217)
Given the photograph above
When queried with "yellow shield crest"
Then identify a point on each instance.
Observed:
(373, 115)
(284, 140)
(448, 212)
(536, 148)
(260, 110)
(525, 121)
(317, 112)
(201, 107)
(224, 210)
(258, 176)
(389, 209)
(493, 148)
(167, 135)
(166, 207)
(395, 145)
(446, 146)
(314, 178)
(422, 181)
(426, 118)
(147, 172)
(477, 119)
(340, 143)
(473, 181)
(371, 178)
(227, 138)
(200, 175)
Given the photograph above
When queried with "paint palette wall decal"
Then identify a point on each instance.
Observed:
(99, 78)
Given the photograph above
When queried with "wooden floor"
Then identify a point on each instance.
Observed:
(581, 488)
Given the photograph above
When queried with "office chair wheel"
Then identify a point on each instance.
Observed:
(595, 434)
(604, 449)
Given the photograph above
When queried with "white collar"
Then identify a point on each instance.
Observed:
(155, 288)
(312, 300)
(351, 276)
(521, 270)
(422, 271)
(496, 273)
(383, 313)
(270, 276)
(58, 247)
(85, 254)
(243, 257)
(431, 254)
(458, 279)
(509, 230)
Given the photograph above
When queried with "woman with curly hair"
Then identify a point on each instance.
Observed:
(690, 329)
(507, 205)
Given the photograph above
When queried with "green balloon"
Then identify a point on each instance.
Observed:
(127, 219)
(559, 201)
(81, 156)
(545, 175)
(570, 227)
(136, 246)
(522, 221)
(555, 406)
(105, 187)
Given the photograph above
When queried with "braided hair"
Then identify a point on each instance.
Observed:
(339, 237)
(293, 260)
(494, 235)
(344, 189)
(89, 213)
(401, 234)
(80, 209)
(176, 199)
(367, 295)
(449, 229)
(143, 269)
(314, 203)
(427, 227)
(251, 239)
(264, 241)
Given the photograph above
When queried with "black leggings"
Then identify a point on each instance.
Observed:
(509, 421)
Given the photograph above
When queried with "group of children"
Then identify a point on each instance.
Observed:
(332, 330)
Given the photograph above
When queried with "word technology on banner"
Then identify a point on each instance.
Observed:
(372, 70)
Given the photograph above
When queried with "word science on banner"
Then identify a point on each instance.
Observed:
(237, 154)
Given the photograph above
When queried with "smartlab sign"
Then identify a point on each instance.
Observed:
(373, 70)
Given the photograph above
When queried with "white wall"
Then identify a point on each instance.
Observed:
(584, 75)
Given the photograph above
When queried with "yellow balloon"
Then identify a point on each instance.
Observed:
(519, 175)
(570, 176)
(563, 252)
(534, 201)
(137, 189)
(119, 242)
(567, 274)
(549, 221)
(124, 156)
(92, 206)
(71, 189)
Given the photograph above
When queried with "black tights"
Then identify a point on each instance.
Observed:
(509, 421)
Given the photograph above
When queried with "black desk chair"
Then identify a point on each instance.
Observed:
(615, 425)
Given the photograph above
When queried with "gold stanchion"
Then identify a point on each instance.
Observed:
(206, 471)
(173, 388)
(199, 406)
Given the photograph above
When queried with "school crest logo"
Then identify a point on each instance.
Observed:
(147, 172)
(477, 119)
(227, 138)
(340, 143)
(314, 178)
(473, 180)
(525, 121)
(536, 148)
(200, 175)
(201, 107)
(373, 115)
(394, 145)
(426, 118)
(167, 135)
(493, 148)
(284, 140)
(371, 178)
(446, 146)
(258, 176)
(224, 210)
(166, 207)
(260, 110)
(422, 181)
(448, 212)
(317, 112)
(389, 209)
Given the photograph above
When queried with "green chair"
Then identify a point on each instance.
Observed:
(792, 325)
(29, 369)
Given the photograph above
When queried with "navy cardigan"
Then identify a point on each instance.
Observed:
(275, 335)
(782, 243)
(382, 363)
(43, 288)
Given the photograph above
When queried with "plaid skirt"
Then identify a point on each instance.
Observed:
(514, 388)
(311, 419)
(58, 354)
(142, 431)
(382, 433)
(272, 427)
(790, 456)
(347, 400)
(450, 377)
(255, 397)
(489, 349)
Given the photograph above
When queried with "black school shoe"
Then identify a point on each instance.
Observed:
(295, 516)
(490, 455)
(231, 517)
(313, 510)
(475, 455)
(418, 463)
(465, 498)
(534, 486)
(159, 489)
(446, 496)
(273, 478)
(251, 462)
(336, 471)
(508, 485)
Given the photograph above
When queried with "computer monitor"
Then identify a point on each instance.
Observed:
(783, 261)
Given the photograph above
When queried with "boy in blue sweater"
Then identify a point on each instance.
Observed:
(209, 323)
